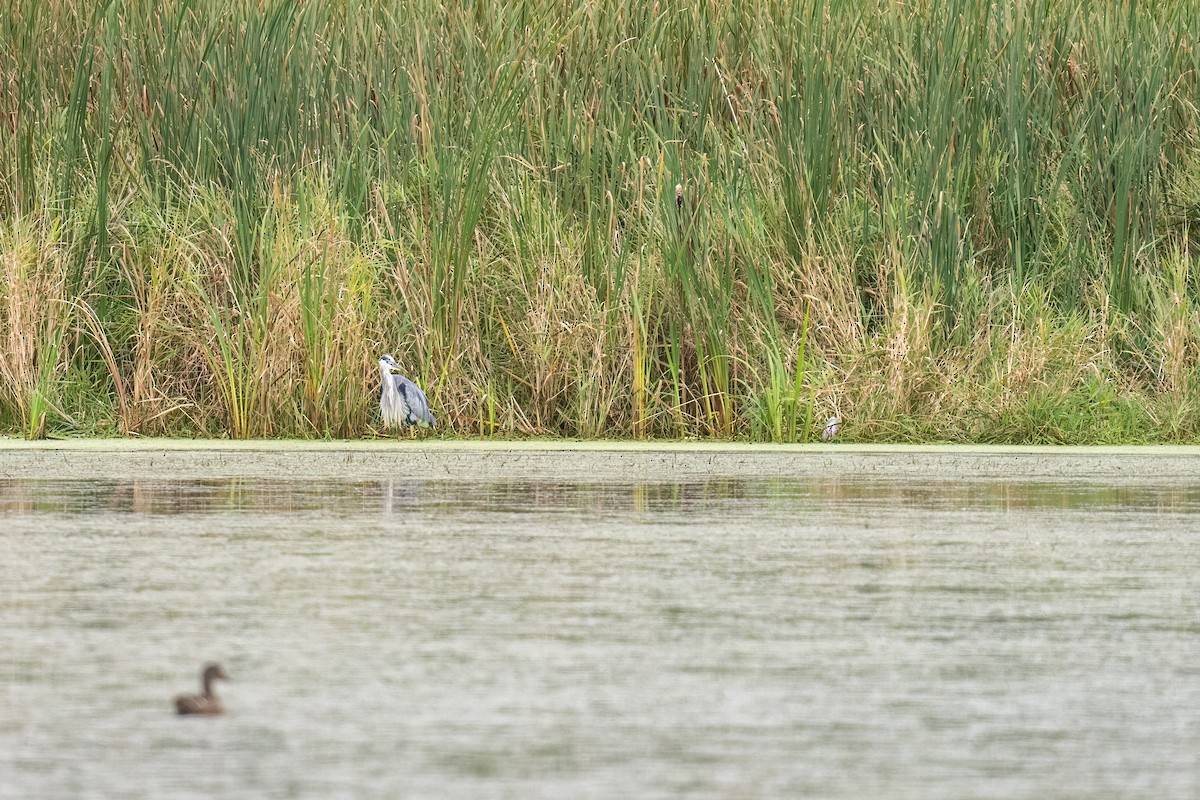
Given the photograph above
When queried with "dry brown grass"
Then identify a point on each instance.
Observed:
(35, 316)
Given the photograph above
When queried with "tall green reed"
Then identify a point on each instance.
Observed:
(890, 158)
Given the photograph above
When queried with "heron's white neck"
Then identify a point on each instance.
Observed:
(385, 378)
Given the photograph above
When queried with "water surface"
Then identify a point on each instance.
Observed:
(724, 639)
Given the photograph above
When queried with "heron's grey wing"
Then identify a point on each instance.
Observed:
(418, 404)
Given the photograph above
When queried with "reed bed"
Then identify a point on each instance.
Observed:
(959, 221)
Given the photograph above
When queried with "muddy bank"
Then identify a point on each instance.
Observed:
(575, 461)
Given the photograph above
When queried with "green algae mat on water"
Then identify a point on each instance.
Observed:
(178, 459)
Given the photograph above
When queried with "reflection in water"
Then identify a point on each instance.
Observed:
(725, 638)
(143, 496)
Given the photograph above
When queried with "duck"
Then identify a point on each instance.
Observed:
(206, 702)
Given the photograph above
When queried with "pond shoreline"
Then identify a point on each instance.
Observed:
(572, 461)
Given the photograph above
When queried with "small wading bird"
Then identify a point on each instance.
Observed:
(206, 702)
(401, 402)
(832, 426)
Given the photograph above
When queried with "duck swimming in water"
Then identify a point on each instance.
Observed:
(206, 702)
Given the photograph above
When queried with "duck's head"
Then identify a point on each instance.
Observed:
(213, 671)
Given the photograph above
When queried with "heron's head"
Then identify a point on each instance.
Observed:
(387, 364)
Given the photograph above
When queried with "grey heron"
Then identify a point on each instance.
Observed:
(401, 402)
(832, 426)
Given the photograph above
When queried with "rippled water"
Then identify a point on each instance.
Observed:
(536, 640)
